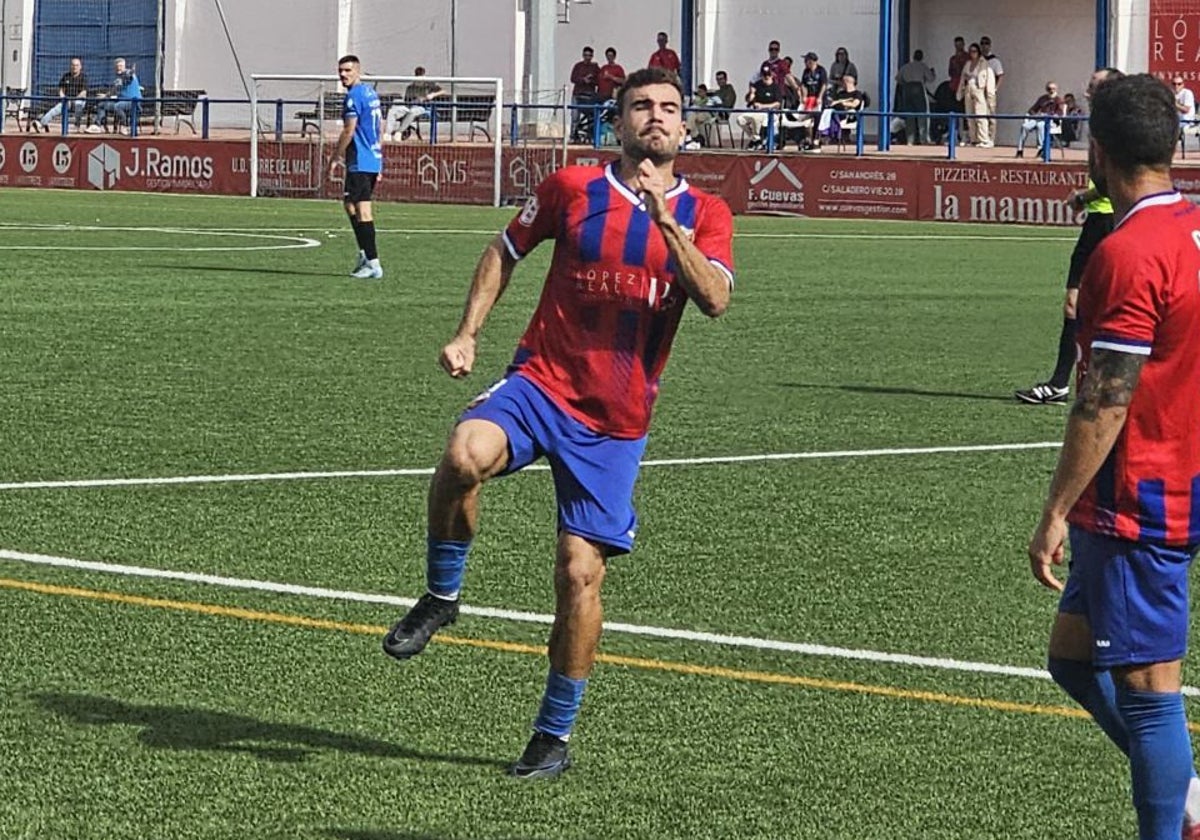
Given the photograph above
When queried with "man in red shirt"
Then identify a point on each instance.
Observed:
(1127, 487)
(664, 56)
(585, 76)
(612, 76)
(633, 243)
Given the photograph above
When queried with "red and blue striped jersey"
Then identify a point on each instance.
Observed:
(1141, 294)
(611, 303)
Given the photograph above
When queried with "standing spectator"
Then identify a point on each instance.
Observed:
(359, 151)
(584, 77)
(985, 47)
(912, 80)
(124, 91)
(582, 386)
(762, 96)
(814, 82)
(1185, 101)
(842, 66)
(417, 96)
(664, 56)
(73, 87)
(1125, 492)
(788, 85)
(780, 67)
(611, 76)
(957, 62)
(1048, 104)
(977, 86)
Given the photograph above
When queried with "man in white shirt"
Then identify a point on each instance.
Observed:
(993, 60)
(1185, 101)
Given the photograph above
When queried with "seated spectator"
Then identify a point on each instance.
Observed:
(842, 66)
(725, 91)
(699, 119)
(848, 99)
(945, 102)
(763, 96)
(1048, 104)
(1185, 101)
(125, 90)
(1070, 132)
(418, 94)
(73, 87)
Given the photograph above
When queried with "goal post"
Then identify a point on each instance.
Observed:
(295, 121)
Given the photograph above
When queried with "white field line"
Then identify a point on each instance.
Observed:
(718, 639)
(979, 237)
(289, 242)
(420, 471)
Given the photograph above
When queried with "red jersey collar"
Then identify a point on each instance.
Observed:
(610, 172)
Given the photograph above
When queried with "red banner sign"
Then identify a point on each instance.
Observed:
(1175, 39)
(801, 185)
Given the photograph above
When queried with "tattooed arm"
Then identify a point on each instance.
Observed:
(1096, 420)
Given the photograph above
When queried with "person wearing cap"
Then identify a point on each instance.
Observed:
(814, 82)
(763, 96)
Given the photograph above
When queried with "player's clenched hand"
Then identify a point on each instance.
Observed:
(1046, 550)
(458, 357)
(652, 188)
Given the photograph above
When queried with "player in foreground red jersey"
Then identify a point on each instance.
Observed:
(633, 243)
(1127, 487)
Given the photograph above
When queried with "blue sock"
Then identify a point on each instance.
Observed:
(1093, 689)
(560, 705)
(445, 566)
(1160, 759)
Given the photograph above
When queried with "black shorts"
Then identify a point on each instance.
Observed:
(359, 186)
(1095, 227)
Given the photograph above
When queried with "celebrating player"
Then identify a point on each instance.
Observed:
(1128, 477)
(362, 148)
(633, 243)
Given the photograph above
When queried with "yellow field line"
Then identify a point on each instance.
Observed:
(514, 647)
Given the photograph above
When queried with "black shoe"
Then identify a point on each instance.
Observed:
(410, 634)
(1020, 153)
(545, 757)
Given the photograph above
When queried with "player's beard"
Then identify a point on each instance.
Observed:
(638, 148)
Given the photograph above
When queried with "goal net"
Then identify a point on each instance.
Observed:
(441, 135)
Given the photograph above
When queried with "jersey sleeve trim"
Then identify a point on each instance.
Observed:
(1122, 345)
(726, 270)
(511, 246)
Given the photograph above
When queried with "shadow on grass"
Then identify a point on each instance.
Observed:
(356, 834)
(905, 392)
(175, 728)
(245, 269)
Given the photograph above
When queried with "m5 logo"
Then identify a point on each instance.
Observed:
(104, 167)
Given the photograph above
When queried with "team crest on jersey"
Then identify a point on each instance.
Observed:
(530, 212)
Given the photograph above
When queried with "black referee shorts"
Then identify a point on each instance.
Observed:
(1095, 227)
(359, 186)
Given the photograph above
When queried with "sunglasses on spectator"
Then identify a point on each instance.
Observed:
(1178, 83)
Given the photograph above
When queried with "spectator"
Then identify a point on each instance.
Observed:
(1071, 108)
(789, 86)
(1048, 104)
(842, 66)
(611, 76)
(763, 96)
(584, 77)
(780, 67)
(985, 48)
(73, 87)
(1185, 101)
(849, 98)
(957, 62)
(912, 96)
(699, 118)
(725, 91)
(664, 56)
(417, 96)
(975, 90)
(125, 90)
(814, 81)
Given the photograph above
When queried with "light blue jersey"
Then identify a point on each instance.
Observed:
(365, 154)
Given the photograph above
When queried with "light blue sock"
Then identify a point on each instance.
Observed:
(560, 705)
(1160, 760)
(1095, 690)
(445, 566)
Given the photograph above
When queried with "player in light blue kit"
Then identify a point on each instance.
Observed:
(362, 149)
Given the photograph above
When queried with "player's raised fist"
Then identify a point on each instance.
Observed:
(458, 357)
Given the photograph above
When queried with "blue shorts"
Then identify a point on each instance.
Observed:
(593, 473)
(1134, 596)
